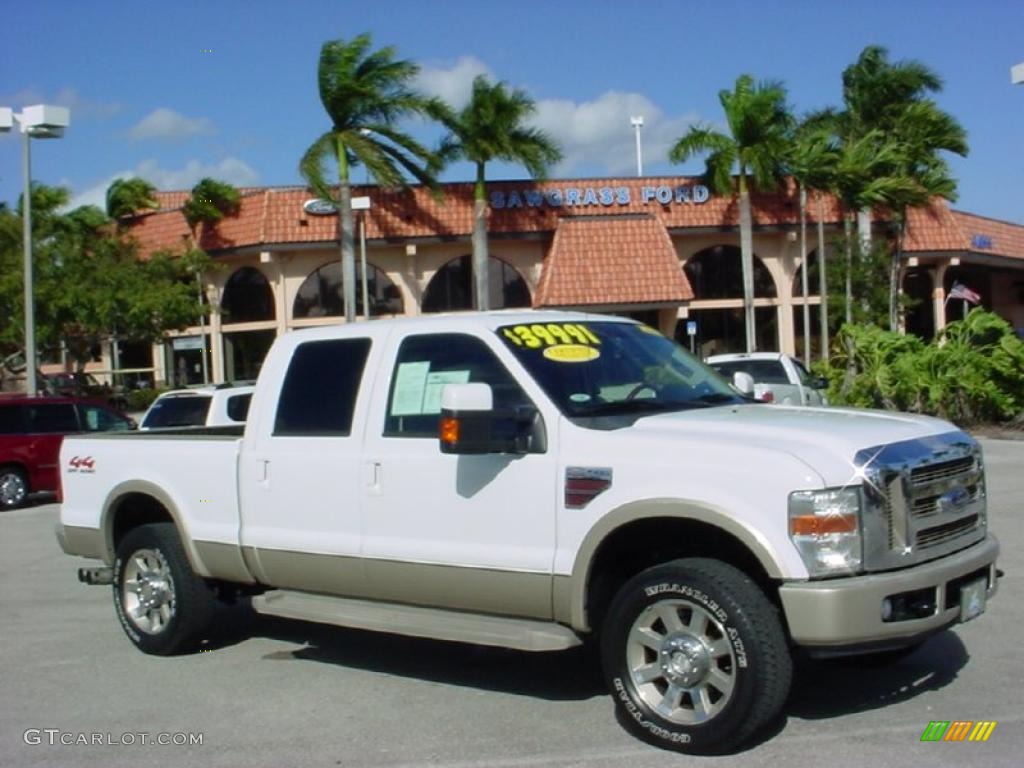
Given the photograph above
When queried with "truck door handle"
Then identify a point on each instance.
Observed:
(374, 477)
(264, 471)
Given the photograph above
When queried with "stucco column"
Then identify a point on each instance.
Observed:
(412, 292)
(213, 294)
(939, 295)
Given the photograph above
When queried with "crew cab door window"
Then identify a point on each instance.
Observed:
(425, 364)
(96, 419)
(319, 392)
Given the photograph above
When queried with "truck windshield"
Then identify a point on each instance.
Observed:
(607, 368)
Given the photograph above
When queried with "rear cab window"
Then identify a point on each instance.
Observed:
(52, 418)
(238, 406)
(178, 411)
(319, 392)
(762, 371)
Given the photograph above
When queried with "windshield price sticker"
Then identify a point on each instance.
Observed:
(537, 336)
(571, 353)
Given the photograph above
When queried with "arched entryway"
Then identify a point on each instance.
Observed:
(247, 300)
(716, 276)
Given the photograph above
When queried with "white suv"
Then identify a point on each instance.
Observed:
(211, 406)
(778, 378)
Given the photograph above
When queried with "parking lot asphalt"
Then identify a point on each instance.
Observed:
(276, 693)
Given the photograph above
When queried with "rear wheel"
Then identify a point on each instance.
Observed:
(13, 487)
(163, 607)
(695, 656)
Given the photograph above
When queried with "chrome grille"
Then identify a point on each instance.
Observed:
(939, 534)
(923, 499)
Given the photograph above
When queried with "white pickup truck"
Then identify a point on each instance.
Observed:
(535, 480)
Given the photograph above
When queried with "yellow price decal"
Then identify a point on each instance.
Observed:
(537, 335)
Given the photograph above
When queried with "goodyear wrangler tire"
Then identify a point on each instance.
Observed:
(163, 607)
(695, 656)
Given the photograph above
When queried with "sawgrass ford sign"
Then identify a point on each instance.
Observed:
(606, 197)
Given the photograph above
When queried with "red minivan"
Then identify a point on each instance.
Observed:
(31, 431)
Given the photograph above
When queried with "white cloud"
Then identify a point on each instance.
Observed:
(454, 84)
(597, 134)
(167, 125)
(230, 169)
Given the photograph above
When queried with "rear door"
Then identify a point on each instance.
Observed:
(299, 479)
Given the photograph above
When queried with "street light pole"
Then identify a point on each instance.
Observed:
(31, 385)
(40, 121)
(637, 122)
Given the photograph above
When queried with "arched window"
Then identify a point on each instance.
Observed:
(451, 288)
(247, 297)
(320, 294)
(717, 273)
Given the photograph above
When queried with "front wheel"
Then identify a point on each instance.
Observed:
(163, 607)
(695, 656)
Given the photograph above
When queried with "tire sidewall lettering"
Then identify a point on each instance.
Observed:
(633, 711)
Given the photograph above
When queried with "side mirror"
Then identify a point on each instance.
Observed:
(744, 382)
(819, 382)
(469, 425)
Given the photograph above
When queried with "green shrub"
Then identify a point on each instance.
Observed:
(973, 372)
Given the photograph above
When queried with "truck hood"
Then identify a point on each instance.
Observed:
(825, 439)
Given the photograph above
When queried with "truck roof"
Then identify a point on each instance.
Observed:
(455, 321)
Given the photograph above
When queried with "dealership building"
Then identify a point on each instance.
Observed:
(663, 250)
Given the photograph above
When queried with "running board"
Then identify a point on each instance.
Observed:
(501, 631)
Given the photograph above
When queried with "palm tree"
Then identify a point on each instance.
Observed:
(756, 144)
(877, 95)
(365, 93)
(210, 202)
(868, 173)
(813, 155)
(126, 197)
(490, 127)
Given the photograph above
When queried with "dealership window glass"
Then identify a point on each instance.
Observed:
(717, 273)
(812, 278)
(451, 288)
(320, 295)
(425, 364)
(51, 418)
(722, 330)
(247, 297)
(318, 396)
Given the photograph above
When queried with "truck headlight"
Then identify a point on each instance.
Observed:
(825, 527)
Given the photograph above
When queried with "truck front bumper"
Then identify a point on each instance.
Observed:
(847, 614)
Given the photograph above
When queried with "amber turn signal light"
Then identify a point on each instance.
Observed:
(820, 525)
(449, 430)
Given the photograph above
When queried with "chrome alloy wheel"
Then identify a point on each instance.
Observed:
(147, 591)
(12, 490)
(681, 662)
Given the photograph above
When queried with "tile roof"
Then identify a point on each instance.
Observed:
(606, 260)
(270, 216)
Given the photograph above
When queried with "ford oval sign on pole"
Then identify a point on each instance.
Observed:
(319, 207)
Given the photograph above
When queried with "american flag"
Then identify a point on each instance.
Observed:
(961, 291)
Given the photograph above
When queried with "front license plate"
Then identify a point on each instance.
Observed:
(972, 599)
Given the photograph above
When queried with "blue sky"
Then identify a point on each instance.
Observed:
(177, 90)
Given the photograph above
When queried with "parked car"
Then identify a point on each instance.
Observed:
(213, 406)
(778, 378)
(31, 432)
(84, 385)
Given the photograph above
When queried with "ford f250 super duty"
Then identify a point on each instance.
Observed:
(535, 480)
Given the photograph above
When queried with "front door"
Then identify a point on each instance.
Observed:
(467, 532)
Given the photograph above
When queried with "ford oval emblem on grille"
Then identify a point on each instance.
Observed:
(954, 499)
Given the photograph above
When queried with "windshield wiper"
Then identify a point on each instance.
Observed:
(635, 406)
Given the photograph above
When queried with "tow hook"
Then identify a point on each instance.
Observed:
(102, 574)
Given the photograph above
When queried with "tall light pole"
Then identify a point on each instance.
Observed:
(637, 121)
(362, 204)
(1017, 74)
(41, 121)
